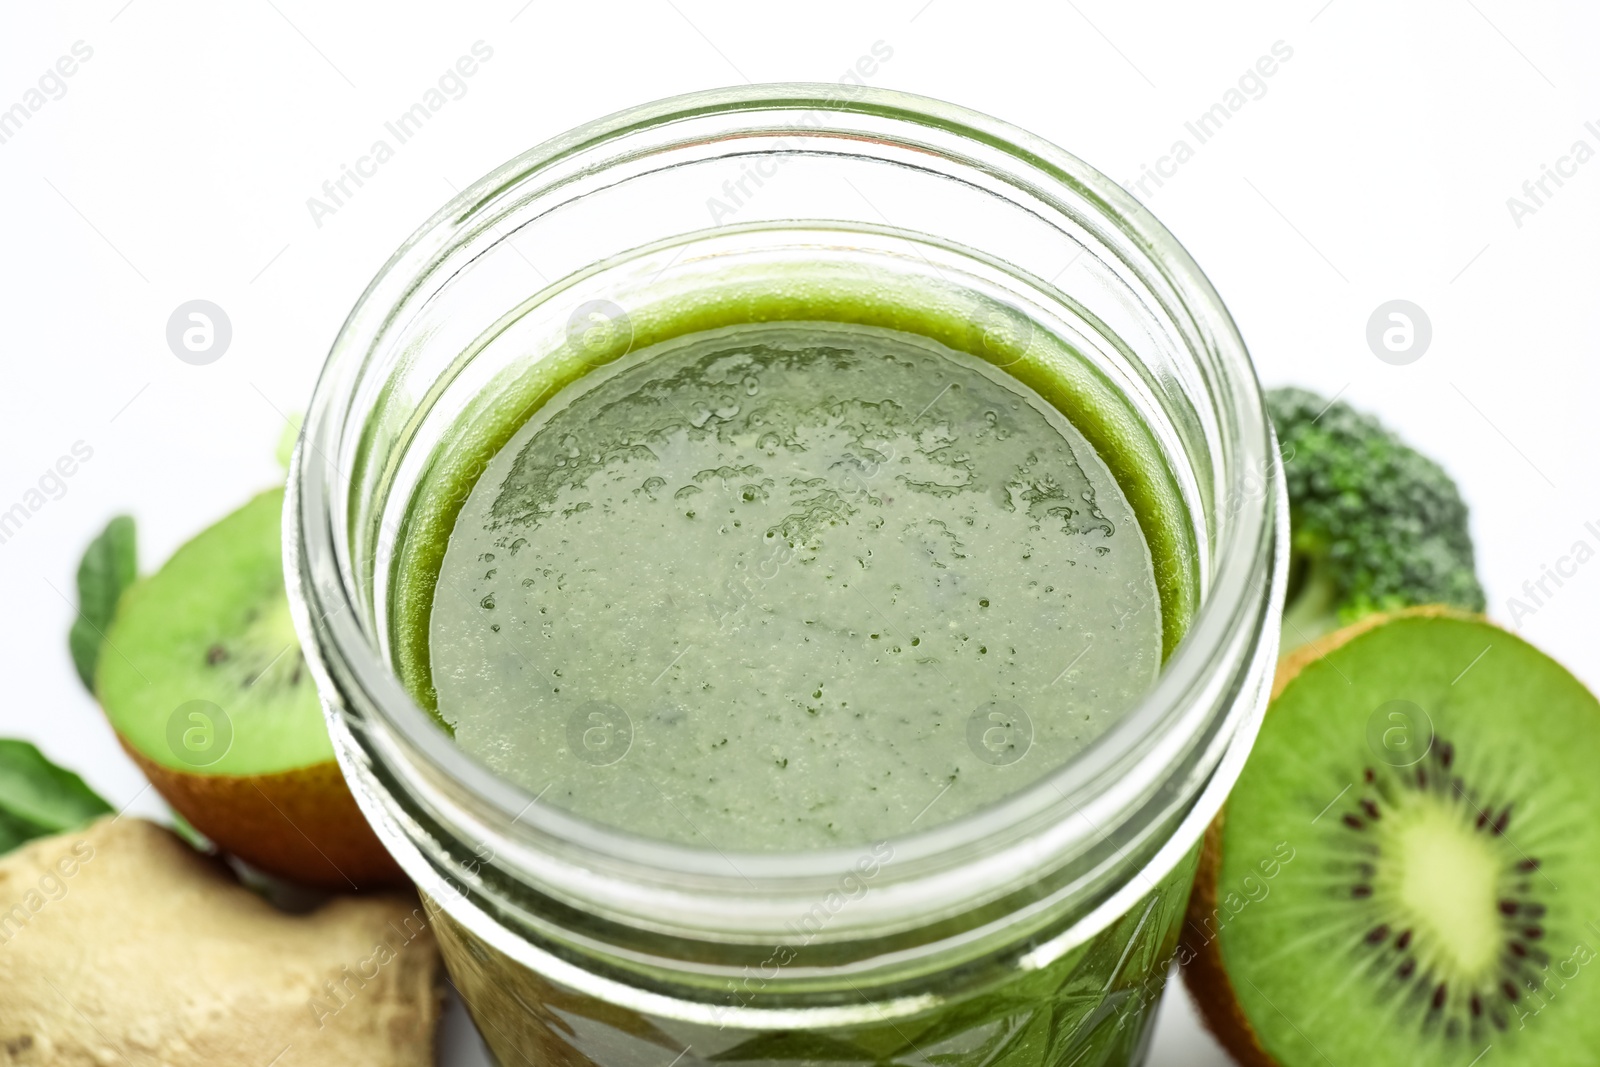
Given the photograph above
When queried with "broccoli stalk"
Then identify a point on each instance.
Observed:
(1374, 525)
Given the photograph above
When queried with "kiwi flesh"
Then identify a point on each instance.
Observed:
(204, 681)
(1408, 870)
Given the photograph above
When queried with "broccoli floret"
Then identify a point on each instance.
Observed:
(1374, 525)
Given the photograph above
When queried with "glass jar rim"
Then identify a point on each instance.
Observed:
(1150, 738)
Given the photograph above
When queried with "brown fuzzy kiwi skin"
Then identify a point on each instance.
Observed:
(1203, 971)
(300, 824)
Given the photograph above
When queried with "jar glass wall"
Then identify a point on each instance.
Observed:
(1036, 929)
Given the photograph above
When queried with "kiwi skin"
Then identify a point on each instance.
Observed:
(1203, 972)
(300, 824)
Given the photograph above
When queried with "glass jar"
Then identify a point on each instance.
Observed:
(1038, 930)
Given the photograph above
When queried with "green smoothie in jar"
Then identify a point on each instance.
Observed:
(791, 573)
(787, 584)
(797, 619)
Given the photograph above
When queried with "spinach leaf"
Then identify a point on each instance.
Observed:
(37, 798)
(109, 566)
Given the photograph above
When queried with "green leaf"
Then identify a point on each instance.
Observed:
(37, 798)
(14, 832)
(109, 566)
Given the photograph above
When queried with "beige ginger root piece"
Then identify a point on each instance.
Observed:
(119, 944)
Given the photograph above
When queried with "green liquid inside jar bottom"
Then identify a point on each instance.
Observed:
(1094, 1007)
(800, 566)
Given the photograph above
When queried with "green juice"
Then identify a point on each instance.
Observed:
(782, 585)
(798, 568)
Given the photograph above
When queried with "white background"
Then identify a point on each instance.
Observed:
(1377, 165)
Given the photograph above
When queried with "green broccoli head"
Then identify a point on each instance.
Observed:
(1374, 525)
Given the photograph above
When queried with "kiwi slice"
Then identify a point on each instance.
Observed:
(203, 678)
(1408, 871)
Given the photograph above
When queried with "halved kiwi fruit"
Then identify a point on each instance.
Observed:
(1408, 871)
(203, 679)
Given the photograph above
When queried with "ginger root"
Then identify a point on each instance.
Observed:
(119, 944)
